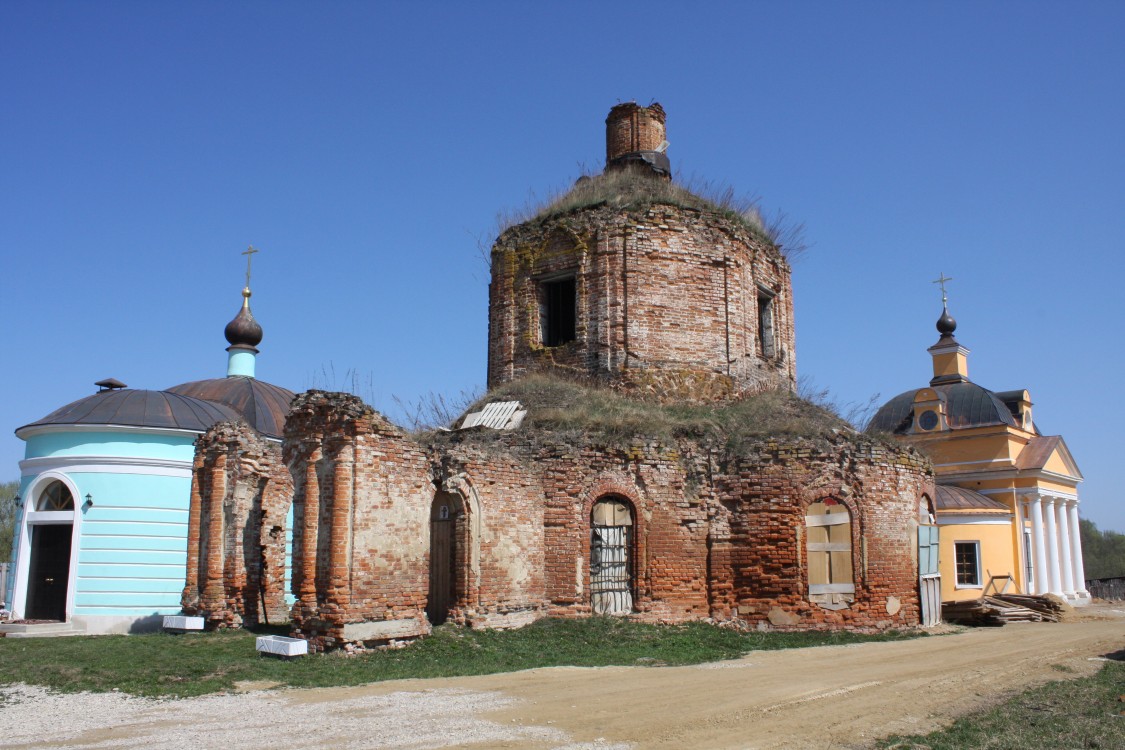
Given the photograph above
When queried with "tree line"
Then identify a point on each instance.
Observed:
(1103, 552)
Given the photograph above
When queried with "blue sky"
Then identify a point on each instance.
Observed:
(366, 149)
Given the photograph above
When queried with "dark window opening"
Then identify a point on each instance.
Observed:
(766, 346)
(557, 311)
(967, 562)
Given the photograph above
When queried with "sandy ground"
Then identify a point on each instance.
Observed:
(835, 697)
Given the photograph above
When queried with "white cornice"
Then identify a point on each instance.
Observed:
(987, 476)
(1005, 461)
(25, 432)
(166, 467)
(991, 519)
(1043, 493)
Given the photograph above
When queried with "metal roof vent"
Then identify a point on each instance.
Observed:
(109, 384)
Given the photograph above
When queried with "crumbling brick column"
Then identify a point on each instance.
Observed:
(236, 528)
(361, 504)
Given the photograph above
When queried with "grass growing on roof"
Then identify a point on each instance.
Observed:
(636, 190)
(160, 664)
(572, 409)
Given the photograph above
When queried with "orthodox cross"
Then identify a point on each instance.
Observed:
(942, 278)
(249, 253)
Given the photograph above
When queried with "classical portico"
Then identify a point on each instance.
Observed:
(1056, 546)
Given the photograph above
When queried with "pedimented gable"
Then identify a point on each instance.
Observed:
(1048, 454)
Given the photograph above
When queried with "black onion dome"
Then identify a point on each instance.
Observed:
(966, 405)
(946, 325)
(262, 405)
(137, 408)
(244, 330)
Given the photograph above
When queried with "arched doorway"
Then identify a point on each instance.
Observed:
(444, 518)
(611, 557)
(48, 572)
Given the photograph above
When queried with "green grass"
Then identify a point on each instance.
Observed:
(159, 664)
(1088, 712)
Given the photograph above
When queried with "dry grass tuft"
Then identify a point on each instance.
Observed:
(634, 190)
(576, 410)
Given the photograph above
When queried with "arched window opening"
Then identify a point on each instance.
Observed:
(926, 510)
(55, 497)
(829, 552)
(611, 557)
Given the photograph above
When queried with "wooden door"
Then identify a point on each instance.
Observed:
(48, 572)
(929, 579)
(443, 560)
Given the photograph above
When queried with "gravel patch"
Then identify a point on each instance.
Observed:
(419, 720)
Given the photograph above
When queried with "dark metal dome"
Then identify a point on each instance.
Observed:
(136, 408)
(261, 405)
(966, 405)
(244, 330)
(946, 325)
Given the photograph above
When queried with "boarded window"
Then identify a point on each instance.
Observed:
(829, 548)
(966, 557)
(611, 560)
(557, 311)
(766, 345)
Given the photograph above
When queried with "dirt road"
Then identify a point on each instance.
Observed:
(836, 697)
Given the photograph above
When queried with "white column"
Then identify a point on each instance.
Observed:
(1076, 551)
(1054, 582)
(1064, 548)
(1035, 510)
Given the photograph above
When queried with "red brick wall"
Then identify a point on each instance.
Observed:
(667, 301)
(241, 492)
(361, 503)
(631, 127)
(715, 534)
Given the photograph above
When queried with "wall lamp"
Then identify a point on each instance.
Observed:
(89, 500)
(18, 501)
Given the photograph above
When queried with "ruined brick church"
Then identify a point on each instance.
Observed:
(629, 290)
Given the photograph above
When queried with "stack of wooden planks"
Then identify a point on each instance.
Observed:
(1000, 609)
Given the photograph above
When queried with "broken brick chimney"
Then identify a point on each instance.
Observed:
(634, 138)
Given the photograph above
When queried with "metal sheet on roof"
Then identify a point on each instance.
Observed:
(966, 405)
(1037, 452)
(139, 408)
(498, 415)
(262, 405)
(960, 499)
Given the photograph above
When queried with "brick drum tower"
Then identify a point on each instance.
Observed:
(637, 281)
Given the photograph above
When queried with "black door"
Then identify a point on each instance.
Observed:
(49, 573)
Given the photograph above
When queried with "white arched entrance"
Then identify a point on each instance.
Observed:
(48, 549)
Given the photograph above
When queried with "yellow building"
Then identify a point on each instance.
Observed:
(1007, 496)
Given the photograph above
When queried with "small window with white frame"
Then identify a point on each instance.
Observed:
(966, 556)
